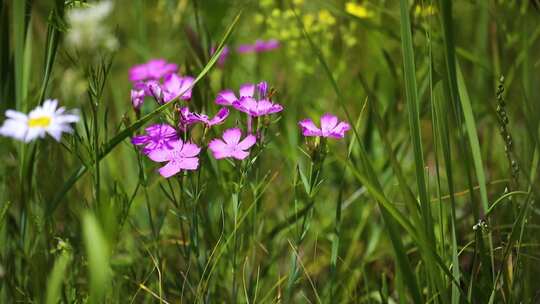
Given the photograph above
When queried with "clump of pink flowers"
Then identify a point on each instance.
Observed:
(158, 78)
(175, 142)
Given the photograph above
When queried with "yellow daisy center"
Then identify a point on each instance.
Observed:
(39, 122)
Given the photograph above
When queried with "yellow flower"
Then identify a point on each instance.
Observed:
(358, 10)
(326, 18)
(425, 11)
(308, 19)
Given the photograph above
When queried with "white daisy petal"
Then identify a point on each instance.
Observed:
(56, 133)
(14, 129)
(32, 134)
(16, 115)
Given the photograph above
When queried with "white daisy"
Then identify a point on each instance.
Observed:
(46, 118)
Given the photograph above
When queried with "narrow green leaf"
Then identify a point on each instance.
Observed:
(97, 252)
(26, 69)
(411, 93)
(473, 138)
(19, 24)
(56, 278)
(442, 136)
(53, 39)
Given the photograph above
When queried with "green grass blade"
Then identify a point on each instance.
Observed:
(473, 138)
(475, 148)
(98, 252)
(442, 135)
(410, 200)
(27, 65)
(53, 39)
(411, 93)
(19, 25)
(56, 278)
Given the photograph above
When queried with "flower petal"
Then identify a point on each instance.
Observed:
(153, 69)
(226, 98)
(50, 105)
(247, 90)
(265, 107)
(55, 133)
(14, 128)
(328, 123)
(239, 154)
(137, 98)
(309, 128)
(247, 105)
(219, 148)
(185, 89)
(189, 163)
(232, 136)
(220, 117)
(340, 129)
(247, 142)
(172, 83)
(262, 89)
(33, 133)
(16, 115)
(190, 150)
(140, 140)
(160, 155)
(170, 169)
(67, 118)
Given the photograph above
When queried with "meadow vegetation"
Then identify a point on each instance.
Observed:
(272, 151)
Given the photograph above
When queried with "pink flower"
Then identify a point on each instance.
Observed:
(256, 108)
(227, 97)
(173, 86)
(137, 97)
(253, 100)
(157, 136)
(330, 127)
(176, 86)
(259, 46)
(153, 69)
(188, 118)
(231, 146)
(180, 156)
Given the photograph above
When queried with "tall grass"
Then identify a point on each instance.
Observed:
(430, 198)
